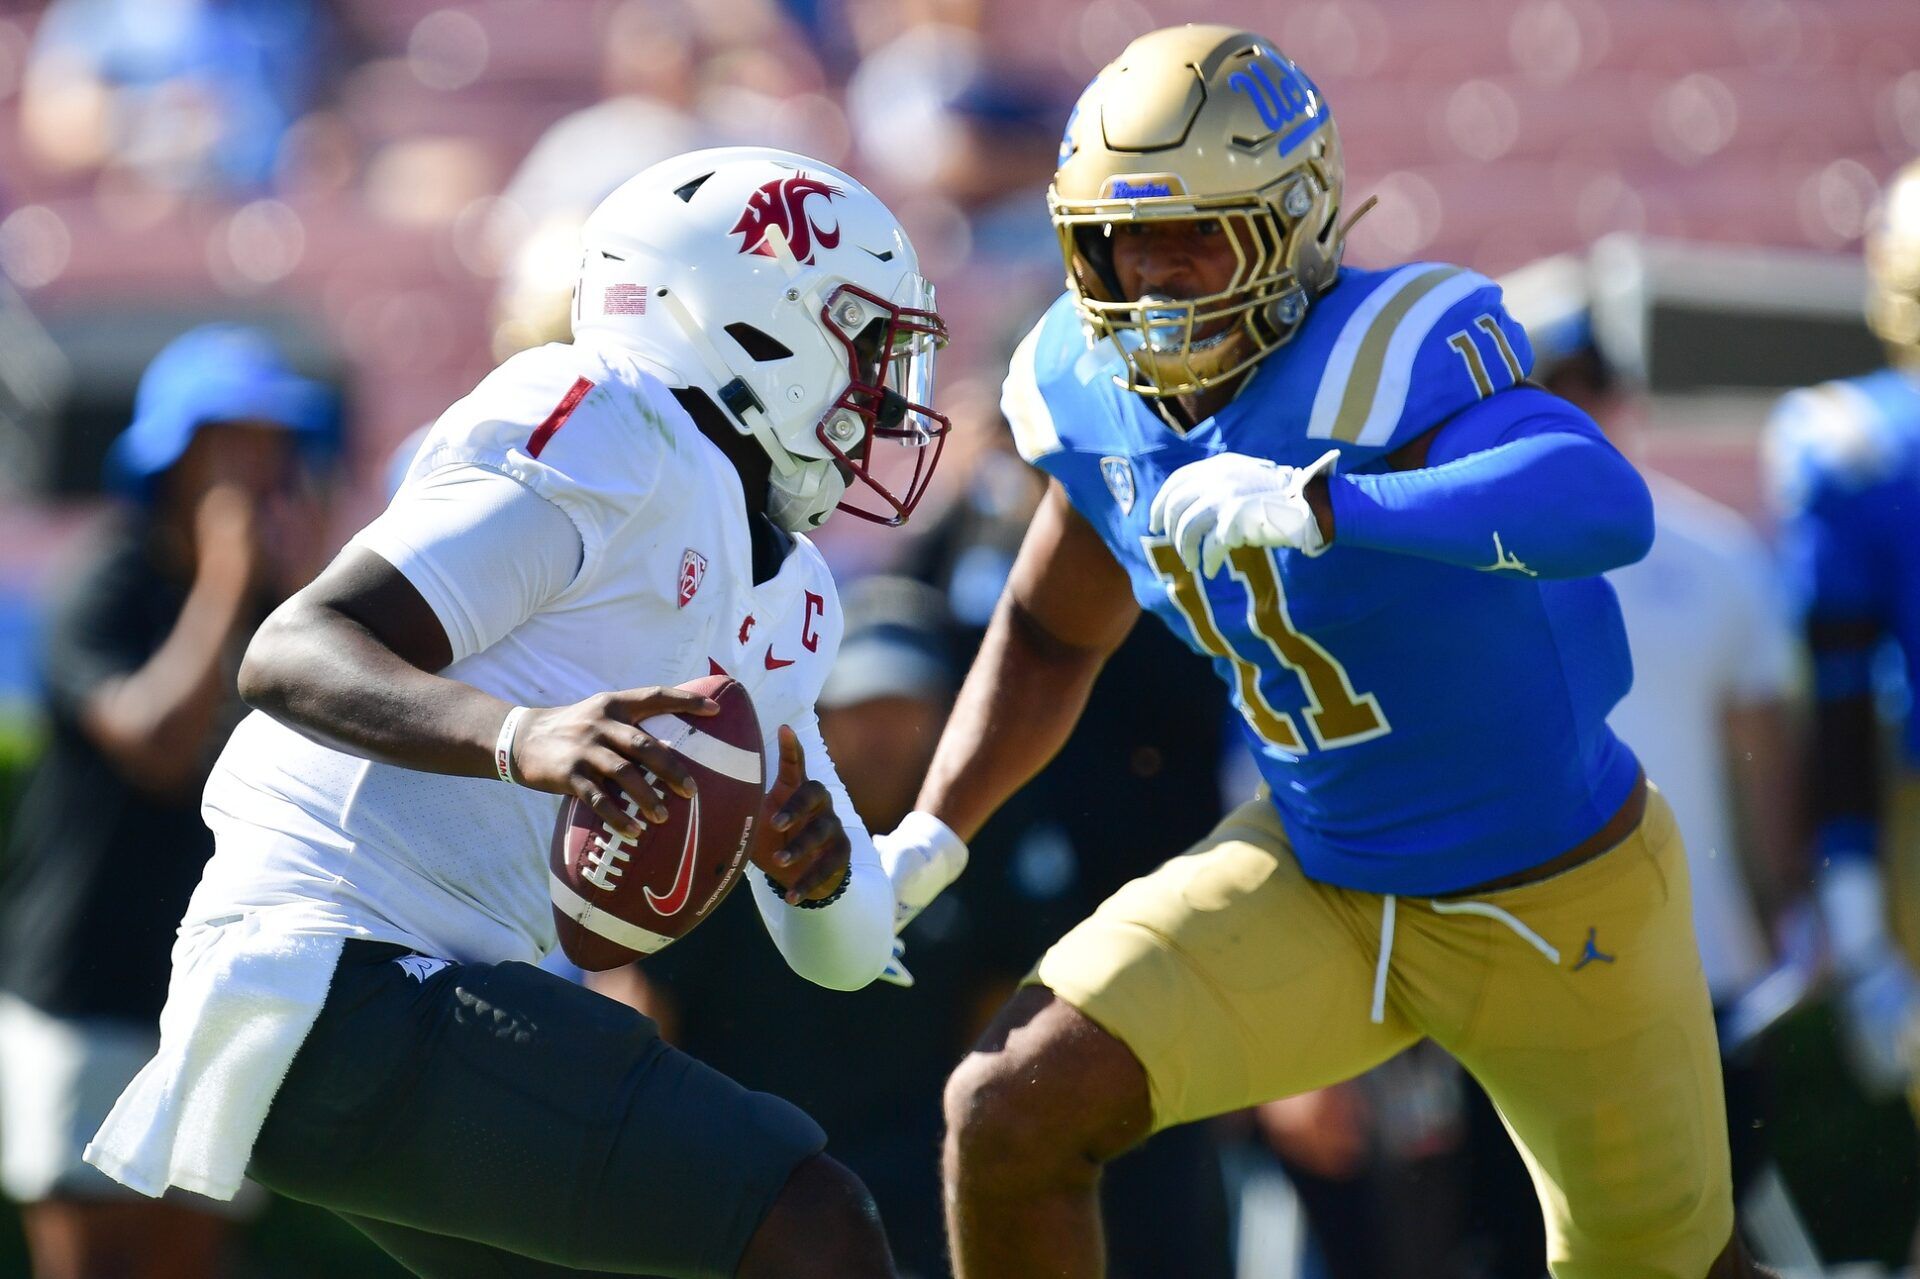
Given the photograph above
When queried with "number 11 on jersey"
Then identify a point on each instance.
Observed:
(1336, 715)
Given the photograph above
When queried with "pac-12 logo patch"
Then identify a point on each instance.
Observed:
(1118, 473)
(693, 571)
(783, 203)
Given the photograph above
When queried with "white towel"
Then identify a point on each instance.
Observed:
(242, 999)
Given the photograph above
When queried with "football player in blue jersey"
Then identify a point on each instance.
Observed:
(1845, 458)
(1337, 484)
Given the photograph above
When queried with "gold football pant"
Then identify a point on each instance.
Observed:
(1577, 1001)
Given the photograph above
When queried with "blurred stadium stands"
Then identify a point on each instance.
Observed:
(1493, 132)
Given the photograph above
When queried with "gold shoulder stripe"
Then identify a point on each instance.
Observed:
(1363, 382)
(1021, 403)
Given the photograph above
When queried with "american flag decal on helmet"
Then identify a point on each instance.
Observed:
(624, 299)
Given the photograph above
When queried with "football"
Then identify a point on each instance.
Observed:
(616, 898)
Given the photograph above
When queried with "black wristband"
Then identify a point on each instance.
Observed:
(803, 904)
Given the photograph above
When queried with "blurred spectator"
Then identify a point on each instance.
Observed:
(968, 146)
(673, 78)
(1707, 715)
(885, 702)
(188, 93)
(649, 82)
(108, 843)
(857, 27)
(649, 62)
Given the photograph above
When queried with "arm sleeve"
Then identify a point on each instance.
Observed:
(843, 946)
(1522, 482)
(483, 550)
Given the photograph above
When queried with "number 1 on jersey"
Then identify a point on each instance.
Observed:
(1336, 715)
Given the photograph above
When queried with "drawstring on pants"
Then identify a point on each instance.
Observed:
(1386, 955)
(1487, 910)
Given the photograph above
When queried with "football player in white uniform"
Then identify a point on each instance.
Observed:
(354, 1018)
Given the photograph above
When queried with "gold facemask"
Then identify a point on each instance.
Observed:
(1202, 122)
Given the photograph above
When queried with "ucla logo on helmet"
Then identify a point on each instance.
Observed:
(1118, 473)
(782, 203)
(1282, 94)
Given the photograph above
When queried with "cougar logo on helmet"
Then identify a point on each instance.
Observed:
(782, 203)
(827, 367)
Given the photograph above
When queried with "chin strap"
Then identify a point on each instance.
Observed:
(801, 491)
(1366, 207)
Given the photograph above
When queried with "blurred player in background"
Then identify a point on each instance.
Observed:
(354, 1017)
(1846, 463)
(1336, 484)
(138, 665)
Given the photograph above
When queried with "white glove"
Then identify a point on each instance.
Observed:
(1230, 500)
(921, 857)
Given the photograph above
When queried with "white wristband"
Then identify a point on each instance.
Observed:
(921, 856)
(503, 745)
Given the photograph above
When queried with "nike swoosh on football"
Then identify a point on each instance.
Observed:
(775, 663)
(676, 896)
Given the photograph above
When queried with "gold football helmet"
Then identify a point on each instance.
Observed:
(1204, 122)
(1893, 268)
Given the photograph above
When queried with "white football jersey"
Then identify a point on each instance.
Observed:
(664, 593)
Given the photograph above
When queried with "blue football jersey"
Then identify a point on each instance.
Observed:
(1422, 727)
(1845, 463)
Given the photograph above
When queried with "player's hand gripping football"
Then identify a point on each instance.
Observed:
(601, 751)
(1220, 503)
(802, 846)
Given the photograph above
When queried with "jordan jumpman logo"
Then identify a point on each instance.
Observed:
(1592, 952)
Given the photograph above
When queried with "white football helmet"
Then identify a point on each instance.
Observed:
(788, 294)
